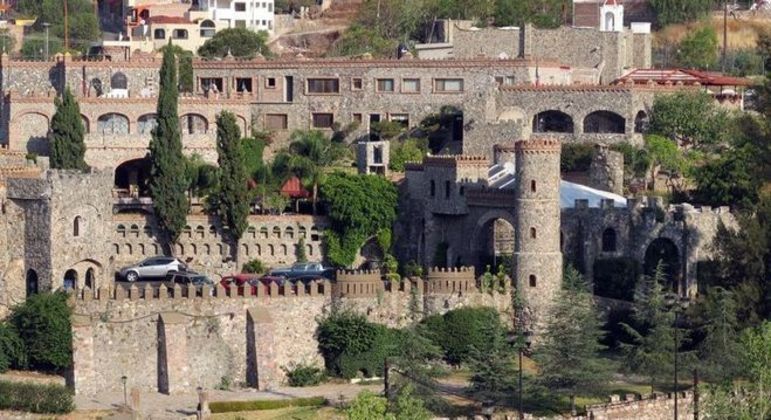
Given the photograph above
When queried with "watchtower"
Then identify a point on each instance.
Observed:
(537, 254)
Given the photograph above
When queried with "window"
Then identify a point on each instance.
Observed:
(357, 83)
(448, 85)
(323, 120)
(532, 280)
(76, 227)
(323, 86)
(270, 7)
(179, 34)
(532, 233)
(447, 188)
(213, 84)
(240, 24)
(411, 85)
(276, 121)
(609, 240)
(403, 119)
(462, 190)
(532, 186)
(207, 29)
(433, 188)
(240, 7)
(118, 81)
(378, 155)
(159, 34)
(357, 118)
(270, 83)
(244, 84)
(385, 85)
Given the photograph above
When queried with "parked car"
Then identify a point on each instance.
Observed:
(238, 281)
(304, 269)
(154, 267)
(187, 278)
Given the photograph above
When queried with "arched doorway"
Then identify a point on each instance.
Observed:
(641, 122)
(552, 122)
(133, 175)
(70, 279)
(665, 251)
(90, 279)
(31, 282)
(604, 122)
(494, 245)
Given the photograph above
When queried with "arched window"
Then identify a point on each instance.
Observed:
(245, 248)
(252, 232)
(70, 279)
(90, 280)
(112, 123)
(76, 226)
(193, 124)
(206, 249)
(276, 232)
(121, 231)
(32, 285)
(552, 122)
(264, 232)
(610, 21)
(433, 188)
(532, 186)
(641, 122)
(532, 280)
(284, 250)
(604, 122)
(447, 188)
(118, 81)
(200, 232)
(147, 123)
(159, 34)
(609, 240)
(532, 233)
(207, 29)
(179, 34)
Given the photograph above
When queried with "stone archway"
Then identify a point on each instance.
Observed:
(32, 283)
(492, 242)
(664, 250)
(133, 175)
(553, 121)
(70, 280)
(604, 122)
(90, 279)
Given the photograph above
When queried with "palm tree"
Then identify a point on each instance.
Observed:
(309, 153)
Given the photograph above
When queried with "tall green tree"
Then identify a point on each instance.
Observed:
(719, 352)
(691, 119)
(699, 49)
(239, 42)
(233, 195)
(653, 336)
(66, 136)
(167, 170)
(569, 354)
(492, 364)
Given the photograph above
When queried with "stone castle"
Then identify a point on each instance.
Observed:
(486, 195)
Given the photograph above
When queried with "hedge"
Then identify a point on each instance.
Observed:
(459, 330)
(257, 405)
(35, 398)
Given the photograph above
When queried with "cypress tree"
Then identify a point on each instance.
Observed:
(167, 171)
(233, 195)
(569, 353)
(66, 137)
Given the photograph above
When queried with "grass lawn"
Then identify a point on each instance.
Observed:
(291, 413)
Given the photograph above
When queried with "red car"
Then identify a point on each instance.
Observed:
(239, 282)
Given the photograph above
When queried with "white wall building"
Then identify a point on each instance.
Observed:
(257, 15)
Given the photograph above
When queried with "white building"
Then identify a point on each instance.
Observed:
(251, 14)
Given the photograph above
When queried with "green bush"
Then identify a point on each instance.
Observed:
(304, 375)
(43, 325)
(616, 277)
(257, 405)
(254, 266)
(576, 157)
(35, 398)
(11, 348)
(459, 330)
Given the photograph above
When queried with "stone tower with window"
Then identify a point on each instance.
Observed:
(537, 254)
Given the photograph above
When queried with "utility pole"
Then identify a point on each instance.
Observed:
(66, 29)
(46, 25)
(725, 34)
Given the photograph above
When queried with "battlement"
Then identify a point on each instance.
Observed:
(413, 166)
(451, 280)
(456, 160)
(538, 146)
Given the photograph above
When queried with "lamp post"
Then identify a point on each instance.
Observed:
(679, 305)
(46, 25)
(123, 379)
(524, 343)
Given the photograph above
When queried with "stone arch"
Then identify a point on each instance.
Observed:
(90, 279)
(200, 232)
(245, 249)
(134, 230)
(121, 231)
(193, 249)
(118, 80)
(86, 123)
(129, 249)
(193, 123)
(133, 176)
(641, 121)
(310, 249)
(284, 250)
(264, 232)
(70, 280)
(251, 232)
(31, 282)
(609, 240)
(116, 249)
(187, 230)
(213, 231)
(33, 127)
(113, 123)
(664, 250)
(289, 232)
(146, 123)
(511, 114)
(76, 226)
(604, 122)
(242, 125)
(208, 28)
(206, 249)
(302, 232)
(276, 232)
(93, 271)
(271, 250)
(492, 238)
(141, 249)
(553, 121)
(257, 249)
(610, 21)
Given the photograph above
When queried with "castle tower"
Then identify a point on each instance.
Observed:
(612, 16)
(537, 254)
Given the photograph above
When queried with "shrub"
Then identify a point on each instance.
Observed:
(459, 330)
(43, 324)
(304, 375)
(616, 277)
(256, 405)
(11, 348)
(576, 157)
(35, 398)
(254, 266)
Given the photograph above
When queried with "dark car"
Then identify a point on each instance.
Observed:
(184, 279)
(303, 270)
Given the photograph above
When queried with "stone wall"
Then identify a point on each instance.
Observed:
(656, 406)
(176, 339)
(606, 171)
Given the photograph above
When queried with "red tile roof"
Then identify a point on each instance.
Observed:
(169, 19)
(293, 188)
(680, 76)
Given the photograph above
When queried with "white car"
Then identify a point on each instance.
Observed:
(152, 267)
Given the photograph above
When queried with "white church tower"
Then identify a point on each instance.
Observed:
(612, 16)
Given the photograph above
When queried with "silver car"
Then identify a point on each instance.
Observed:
(152, 267)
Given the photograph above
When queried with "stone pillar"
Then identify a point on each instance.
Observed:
(262, 372)
(607, 170)
(173, 363)
(537, 254)
(83, 355)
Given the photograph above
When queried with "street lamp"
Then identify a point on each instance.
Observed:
(679, 305)
(123, 379)
(46, 25)
(524, 343)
